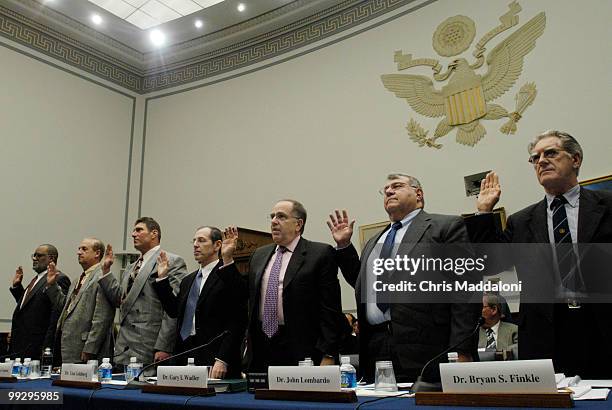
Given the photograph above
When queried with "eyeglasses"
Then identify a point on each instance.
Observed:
(281, 217)
(396, 186)
(38, 255)
(548, 154)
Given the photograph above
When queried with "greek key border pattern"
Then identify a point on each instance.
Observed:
(300, 37)
(47, 44)
(66, 53)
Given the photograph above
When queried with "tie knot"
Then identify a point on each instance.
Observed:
(489, 331)
(396, 226)
(558, 202)
(281, 249)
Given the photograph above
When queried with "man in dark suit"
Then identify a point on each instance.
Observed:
(294, 295)
(209, 302)
(35, 316)
(408, 334)
(569, 332)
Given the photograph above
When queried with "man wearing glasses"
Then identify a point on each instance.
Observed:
(572, 330)
(35, 316)
(294, 296)
(408, 334)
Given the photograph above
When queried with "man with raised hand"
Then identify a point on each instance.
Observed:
(145, 330)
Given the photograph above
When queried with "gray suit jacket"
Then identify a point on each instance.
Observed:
(144, 326)
(84, 325)
(507, 335)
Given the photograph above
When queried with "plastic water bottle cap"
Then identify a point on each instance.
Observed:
(345, 360)
(106, 360)
(132, 360)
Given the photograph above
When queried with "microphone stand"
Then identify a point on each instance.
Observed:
(423, 386)
(137, 384)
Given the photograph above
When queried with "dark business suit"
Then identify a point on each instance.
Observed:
(541, 325)
(33, 326)
(221, 306)
(311, 307)
(418, 331)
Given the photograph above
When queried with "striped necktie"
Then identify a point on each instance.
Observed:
(566, 258)
(490, 339)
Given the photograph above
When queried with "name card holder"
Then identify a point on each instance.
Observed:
(183, 380)
(520, 383)
(77, 376)
(305, 383)
(6, 375)
(551, 400)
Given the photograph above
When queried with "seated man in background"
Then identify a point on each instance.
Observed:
(494, 333)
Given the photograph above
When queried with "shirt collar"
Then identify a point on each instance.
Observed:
(291, 247)
(208, 268)
(92, 268)
(147, 255)
(495, 327)
(572, 196)
(408, 218)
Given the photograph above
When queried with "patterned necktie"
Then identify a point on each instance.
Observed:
(490, 339)
(28, 292)
(385, 253)
(190, 308)
(133, 275)
(76, 290)
(270, 313)
(566, 258)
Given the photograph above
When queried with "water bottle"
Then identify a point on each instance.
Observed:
(46, 363)
(25, 367)
(133, 369)
(105, 371)
(453, 357)
(190, 361)
(16, 367)
(348, 374)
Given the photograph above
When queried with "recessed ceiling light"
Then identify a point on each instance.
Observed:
(157, 37)
(241, 7)
(198, 23)
(96, 19)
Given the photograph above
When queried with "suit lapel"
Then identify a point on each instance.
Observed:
(415, 231)
(261, 269)
(589, 216)
(295, 263)
(88, 282)
(41, 282)
(538, 223)
(213, 277)
(139, 282)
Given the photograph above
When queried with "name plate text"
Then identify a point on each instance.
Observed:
(304, 378)
(77, 372)
(183, 376)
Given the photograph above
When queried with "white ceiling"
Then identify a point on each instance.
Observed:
(145, 14)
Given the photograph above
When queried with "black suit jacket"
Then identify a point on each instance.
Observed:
(221, 306)
(33, 326)
(312, 306)
(536, 322)
(420, 331)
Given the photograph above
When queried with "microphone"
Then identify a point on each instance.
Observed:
(421, 385)
(136, 384)
(18, 354)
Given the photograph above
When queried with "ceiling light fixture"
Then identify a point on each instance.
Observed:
(198, 24)
(241, 7)
(96, 19)
(157, 37)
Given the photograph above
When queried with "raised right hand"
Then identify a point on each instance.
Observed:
(162, 265)
(490, 192)
(18, 276)
(52, 274)
(108, 259)
(340, 227)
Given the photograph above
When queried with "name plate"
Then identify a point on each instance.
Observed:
(77, 372)
(515, 376)
(6, 369)
(304, 378)
(183, 376)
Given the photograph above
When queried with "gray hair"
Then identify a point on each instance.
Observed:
(411, 180)
(568, 143)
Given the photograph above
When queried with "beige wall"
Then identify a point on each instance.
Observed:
(321, 128)
(63, 165)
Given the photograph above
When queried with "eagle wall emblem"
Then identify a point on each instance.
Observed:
(467, 97)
